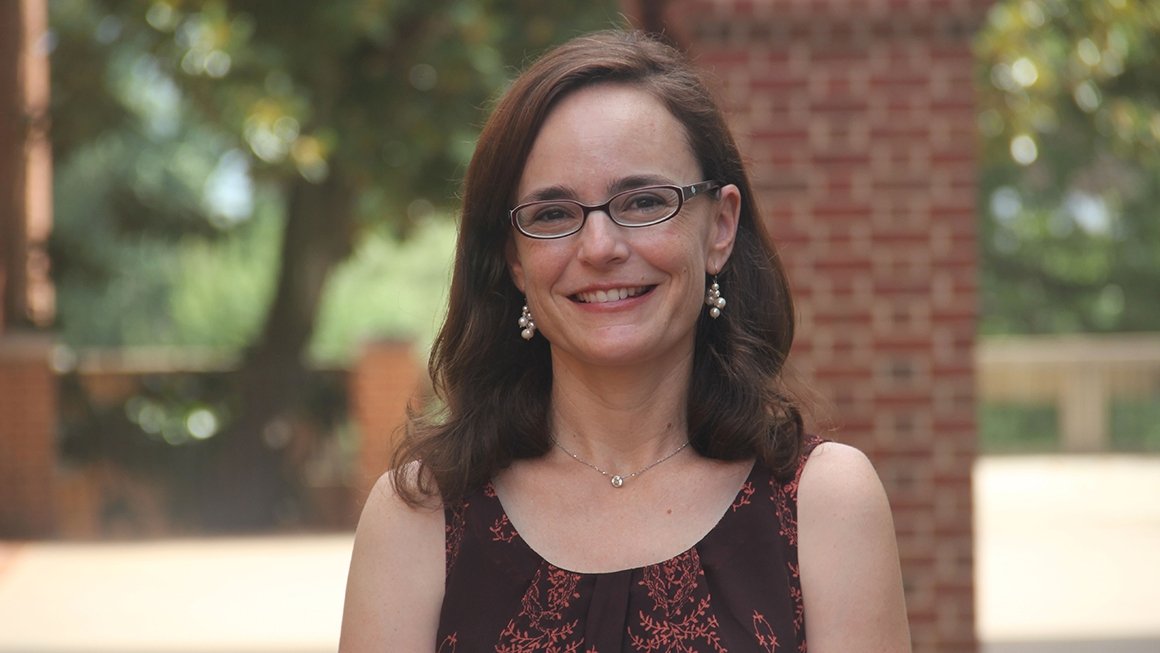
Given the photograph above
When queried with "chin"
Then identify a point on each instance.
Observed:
(623, 351)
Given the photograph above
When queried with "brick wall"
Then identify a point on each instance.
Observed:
(857, 121)
(27, 436)
(387, 376)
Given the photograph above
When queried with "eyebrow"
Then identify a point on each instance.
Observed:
(561, 192)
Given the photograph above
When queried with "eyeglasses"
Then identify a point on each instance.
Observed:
(639, 207)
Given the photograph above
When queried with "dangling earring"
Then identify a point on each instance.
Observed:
(714, 300)
(527, 326)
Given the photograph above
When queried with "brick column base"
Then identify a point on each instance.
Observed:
(385, 379)
(28, 402)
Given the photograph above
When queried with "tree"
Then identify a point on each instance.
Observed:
(1069, 95)
(351, 114)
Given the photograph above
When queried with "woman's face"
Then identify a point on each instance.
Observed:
(611, 295)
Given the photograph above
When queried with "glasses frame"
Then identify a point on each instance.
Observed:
(684, 194)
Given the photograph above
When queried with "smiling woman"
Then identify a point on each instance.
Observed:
(617, 465)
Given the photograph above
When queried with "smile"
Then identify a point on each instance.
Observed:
(610, 295)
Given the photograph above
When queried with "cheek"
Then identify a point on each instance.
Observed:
(695, 236)
(685, 252)
(538, 266)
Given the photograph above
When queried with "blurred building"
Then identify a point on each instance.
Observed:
(27, 383)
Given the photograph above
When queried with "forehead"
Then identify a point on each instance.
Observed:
(599, 134)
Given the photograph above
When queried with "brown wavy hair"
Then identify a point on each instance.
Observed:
(494, 388)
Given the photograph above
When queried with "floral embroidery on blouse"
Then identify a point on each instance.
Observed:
(541, 625)
(766, 637)
(502, 530)
(681, 611)
(743, 496)
(738, 589)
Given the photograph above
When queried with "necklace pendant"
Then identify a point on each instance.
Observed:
(617, 481)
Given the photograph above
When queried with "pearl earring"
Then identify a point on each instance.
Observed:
(714, 300)
(527, 326)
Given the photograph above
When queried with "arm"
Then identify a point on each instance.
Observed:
(395, 587)
(851, 579)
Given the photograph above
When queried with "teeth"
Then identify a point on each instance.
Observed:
(611, 295)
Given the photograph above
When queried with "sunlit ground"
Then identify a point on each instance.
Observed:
(1068, 562)
(1068, 554)
(276, 594)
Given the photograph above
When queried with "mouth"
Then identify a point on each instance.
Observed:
(610, 294)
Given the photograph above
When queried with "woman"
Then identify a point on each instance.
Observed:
(616, 465)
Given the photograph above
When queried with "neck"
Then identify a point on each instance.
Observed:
(620, 419)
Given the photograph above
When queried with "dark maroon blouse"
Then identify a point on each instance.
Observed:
(736, 590)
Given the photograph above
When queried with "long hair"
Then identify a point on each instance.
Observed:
(495, 388)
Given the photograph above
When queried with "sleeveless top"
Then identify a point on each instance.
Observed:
(738, 589)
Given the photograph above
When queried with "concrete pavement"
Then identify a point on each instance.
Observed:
(1068, 554)
(251, 595)
(1068, 561)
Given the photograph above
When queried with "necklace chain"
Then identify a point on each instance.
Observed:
(618, 480)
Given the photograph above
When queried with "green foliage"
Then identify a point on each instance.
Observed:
(180, 127)
(1008, 427)
(388, 289)
(1135, 425)
(147, 284)
(1018, 428)
(1069, 94)
(220, 290)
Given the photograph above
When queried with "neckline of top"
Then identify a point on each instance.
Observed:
(520, 541)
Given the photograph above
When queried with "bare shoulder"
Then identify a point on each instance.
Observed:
(838, 476)
(395, 586)
(851, 579)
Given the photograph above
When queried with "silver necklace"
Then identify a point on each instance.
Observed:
(618, 480)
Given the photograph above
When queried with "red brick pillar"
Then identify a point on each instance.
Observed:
(857, 119)
(27, 437)
(385, 380)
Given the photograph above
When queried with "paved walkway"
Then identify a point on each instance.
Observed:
(277, 594)
(1068, 562)
(1068, 554)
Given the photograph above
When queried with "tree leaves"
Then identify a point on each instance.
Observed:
(1069, 99)
(389, 94)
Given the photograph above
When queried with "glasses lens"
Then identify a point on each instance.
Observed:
(644, 206)
(550, 218)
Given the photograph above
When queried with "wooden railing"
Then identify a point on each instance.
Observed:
(1081, 375)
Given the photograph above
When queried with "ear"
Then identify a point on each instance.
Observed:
(515, 267)
(723, 232)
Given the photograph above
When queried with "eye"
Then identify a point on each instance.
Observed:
(646, 203)
(552, 213)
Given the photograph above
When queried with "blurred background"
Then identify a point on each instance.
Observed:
(226, 232)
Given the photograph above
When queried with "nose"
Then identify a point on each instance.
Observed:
(601, 241)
